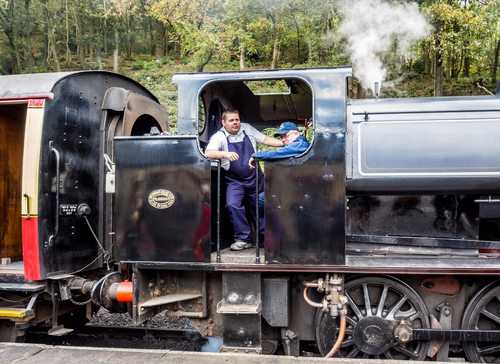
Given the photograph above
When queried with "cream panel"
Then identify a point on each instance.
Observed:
(31, 159)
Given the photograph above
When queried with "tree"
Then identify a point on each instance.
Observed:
(8, 23)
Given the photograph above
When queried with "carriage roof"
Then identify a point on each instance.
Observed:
(41, 85)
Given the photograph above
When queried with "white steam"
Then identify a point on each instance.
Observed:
(373, 27)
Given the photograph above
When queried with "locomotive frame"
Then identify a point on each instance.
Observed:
(381, 240)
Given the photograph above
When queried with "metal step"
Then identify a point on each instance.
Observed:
(22, 287)
(59, 331)
(241, 307)
(20, 313)
(15, 313)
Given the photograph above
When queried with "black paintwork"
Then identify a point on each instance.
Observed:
(439, 216)
(179, 233)
(72, 120)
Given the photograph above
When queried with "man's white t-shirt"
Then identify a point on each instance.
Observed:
(218, 141)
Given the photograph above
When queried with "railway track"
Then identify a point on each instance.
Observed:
(122, 337)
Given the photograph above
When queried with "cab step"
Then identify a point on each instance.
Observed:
(22, 287)
(241, 307)
(17, 313)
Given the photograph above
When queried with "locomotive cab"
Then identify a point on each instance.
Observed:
(179, 217)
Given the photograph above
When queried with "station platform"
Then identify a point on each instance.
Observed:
(15, 353)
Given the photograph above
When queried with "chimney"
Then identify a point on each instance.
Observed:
(376, 89)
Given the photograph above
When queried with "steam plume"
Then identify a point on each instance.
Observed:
(372, 27)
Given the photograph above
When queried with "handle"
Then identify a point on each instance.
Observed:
(487, 200)
(27, 197)
(57, 155)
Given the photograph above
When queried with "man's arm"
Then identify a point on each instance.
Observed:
(280, 153)
(272, 142)
(291, 150)
(218, 154)
(262, 138)
(215, 149)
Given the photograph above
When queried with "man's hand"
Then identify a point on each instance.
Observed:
(251, 162)
(232, 156)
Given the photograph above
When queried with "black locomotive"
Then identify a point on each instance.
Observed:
(381, 240)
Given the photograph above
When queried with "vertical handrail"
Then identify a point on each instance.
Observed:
(218, 258)
(58, 162)
(257, 225)
(28, 209)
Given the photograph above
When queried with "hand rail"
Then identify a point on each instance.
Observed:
(218, 259)
(257, 225)
(52, 149)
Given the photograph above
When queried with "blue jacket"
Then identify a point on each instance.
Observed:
(297, 147)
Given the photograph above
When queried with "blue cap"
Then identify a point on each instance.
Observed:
(286, 127)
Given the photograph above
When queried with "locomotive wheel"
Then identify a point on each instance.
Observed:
(377, 306)
(483, 312)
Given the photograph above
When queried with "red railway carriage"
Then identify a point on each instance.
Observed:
(56, 133)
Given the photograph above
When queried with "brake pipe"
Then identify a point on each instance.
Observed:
(341, 335)
(309, 301)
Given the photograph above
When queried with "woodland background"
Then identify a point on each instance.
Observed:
(150, 40)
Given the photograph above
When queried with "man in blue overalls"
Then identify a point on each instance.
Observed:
(234, 145)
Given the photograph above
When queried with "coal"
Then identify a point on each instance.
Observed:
(105, 318)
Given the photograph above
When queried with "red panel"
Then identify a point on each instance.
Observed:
(36, 103)
(31, 249)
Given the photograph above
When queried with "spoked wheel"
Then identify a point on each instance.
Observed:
(377, 308)
(483, 312)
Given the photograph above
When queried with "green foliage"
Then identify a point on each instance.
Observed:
(465, 34)
(154, 38)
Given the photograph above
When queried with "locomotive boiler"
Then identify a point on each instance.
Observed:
(381, 240)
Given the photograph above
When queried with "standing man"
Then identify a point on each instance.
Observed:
(234, 144)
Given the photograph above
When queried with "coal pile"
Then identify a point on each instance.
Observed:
(105, 318)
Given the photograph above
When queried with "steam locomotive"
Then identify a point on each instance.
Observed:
(381, 241)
